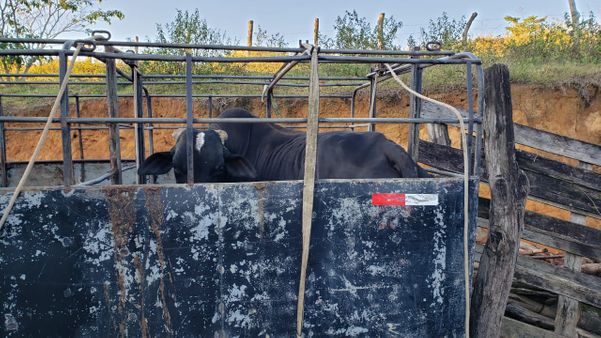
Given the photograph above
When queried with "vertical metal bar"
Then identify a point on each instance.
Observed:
(470, 112)
(353, 103)
(373, 84)
(150, 129)
(479, 136)
(210, 103)
(138, 127)
(3, 167)
(82, 175)
(269, 104)
(189, 120)
(415, 107)
(113, 111)
(65, 127)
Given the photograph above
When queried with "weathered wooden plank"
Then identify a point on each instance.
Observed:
(559, 280)
(581, 176)
(515, 329)
(509, 189)
(542, 140)
(568, 309)
(530, 233)
(567, 194)
(515, 310)
(572, 237)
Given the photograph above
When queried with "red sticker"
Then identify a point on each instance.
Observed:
(388, 199)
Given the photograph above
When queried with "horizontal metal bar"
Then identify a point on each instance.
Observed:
(385, 52)
(156, 57)
(51, 75)
(197, 76)
(363, 59)
(94, 120)
(326, 96)
(229, 47)
(253, 77)
(90, 83)
(157, 45)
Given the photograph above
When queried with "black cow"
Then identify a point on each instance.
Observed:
(269, 152)
(212, 161)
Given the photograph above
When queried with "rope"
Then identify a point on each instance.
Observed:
(465, 192)
(42, 139)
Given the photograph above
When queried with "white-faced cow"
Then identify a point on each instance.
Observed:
(269, 152)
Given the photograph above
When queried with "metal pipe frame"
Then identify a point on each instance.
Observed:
(225, 47)
(189, 122)
(404, 61)
(139, 127)
(113, 111)
(68, 178)
(82, 177)
(3, 165)
(114, 120)
(194, 76)
(327, 96)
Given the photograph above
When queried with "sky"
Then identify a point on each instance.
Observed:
(294, 19)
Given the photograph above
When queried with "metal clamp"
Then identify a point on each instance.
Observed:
(433, 46)
(87, 45)
(101, 35)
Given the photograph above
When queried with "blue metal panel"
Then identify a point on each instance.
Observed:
(224, 259)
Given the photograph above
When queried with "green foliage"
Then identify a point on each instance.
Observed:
(264, 39)
(356, 32)
(46, 19)
(442, 29)
(190, 28)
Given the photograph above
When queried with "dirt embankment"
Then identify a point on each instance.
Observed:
(565, 112)
(568, 112)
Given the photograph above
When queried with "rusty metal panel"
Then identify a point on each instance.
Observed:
(223, 259)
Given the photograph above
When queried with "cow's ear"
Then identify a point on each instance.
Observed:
(157, 164)
(239, 169)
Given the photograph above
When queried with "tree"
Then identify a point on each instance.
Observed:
(445, 30)
(355, 32)
(190, 28)
(46, 19)
(264, 39)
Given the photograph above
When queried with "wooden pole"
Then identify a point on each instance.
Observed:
(381, 31)
(249, 34)
(509, 189)
(466, 29)
(136, 47)
(315, 31)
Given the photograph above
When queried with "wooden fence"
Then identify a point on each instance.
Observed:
(546, 300)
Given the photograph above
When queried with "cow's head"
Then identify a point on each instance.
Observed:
(213, 162)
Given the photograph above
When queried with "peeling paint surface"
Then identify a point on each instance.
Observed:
(224, 259)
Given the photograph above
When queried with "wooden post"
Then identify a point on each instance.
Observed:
(136, 47)
(315, 31)
(466, 29)
(381, 31)
(509, 188)
(249, 34)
